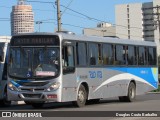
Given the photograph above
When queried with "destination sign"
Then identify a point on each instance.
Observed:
(34, 40)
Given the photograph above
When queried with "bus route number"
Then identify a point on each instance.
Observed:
(95, 74)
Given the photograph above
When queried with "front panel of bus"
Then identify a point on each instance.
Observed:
(34, 68)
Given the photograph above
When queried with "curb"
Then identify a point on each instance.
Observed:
(153, 92)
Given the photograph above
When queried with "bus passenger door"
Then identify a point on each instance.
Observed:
(69, 74)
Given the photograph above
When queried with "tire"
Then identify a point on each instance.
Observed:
(37, 105)
(81, 97)
(5, 102)
(131, 96)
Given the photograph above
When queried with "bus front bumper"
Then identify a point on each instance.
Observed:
(32, 96)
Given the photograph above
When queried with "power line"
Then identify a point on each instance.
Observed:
(86, 16)
(67, 7)
(39, 2)
(48, 21)
(45, 10)
(98, 30)
(98, 20)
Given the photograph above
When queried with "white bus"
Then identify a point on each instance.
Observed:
(4, 42)
(59, 67)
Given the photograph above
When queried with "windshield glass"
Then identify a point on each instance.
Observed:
(40, 62)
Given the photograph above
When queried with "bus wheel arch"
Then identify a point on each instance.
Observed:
(131, 93)
(82, 95)
(4, 101)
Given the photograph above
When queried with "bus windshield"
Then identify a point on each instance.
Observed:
(37, 62)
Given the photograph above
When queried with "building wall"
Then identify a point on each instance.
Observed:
(100, 31)
(157, 32)
(135, 18)
(140, 22)
(22, 19)
(129, 21)
(121, 21)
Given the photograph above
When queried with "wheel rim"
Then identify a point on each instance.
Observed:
(132, 93)
(81, 97)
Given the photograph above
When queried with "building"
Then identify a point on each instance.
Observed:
(138, 21)
(102, 29)
(5, 38)
(22, 18)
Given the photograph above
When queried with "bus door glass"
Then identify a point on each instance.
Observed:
(68, 59)
(2, 52)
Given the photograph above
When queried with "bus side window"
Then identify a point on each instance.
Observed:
(152, 56)
(120, 58)
(141, 56)
(68, 59)
(131, 55)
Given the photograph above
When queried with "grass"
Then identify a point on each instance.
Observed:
(158, 90)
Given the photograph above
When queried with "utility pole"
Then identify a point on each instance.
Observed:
(58, 15)
(39, 22)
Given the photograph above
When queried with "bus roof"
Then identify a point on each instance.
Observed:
(71, 37)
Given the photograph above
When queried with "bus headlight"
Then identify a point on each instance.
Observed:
(12, 87)
(53, 87)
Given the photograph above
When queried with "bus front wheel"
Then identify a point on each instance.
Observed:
(4, 101)
(81, 97)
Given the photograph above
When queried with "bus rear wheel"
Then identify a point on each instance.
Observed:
(81, 97)
(131, 94)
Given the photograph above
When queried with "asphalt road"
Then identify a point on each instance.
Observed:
(148, 102)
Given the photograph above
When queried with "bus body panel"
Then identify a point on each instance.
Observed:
(3, 67)
(35, 93)
(102, 81)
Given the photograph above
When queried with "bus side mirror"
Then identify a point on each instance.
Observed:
(1, 56)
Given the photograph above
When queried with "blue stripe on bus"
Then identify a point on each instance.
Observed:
(148, 74)
(15, 83)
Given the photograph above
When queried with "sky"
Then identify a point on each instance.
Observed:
(81, 14)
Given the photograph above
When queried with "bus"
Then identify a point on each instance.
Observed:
(58, 67)
(4, 42)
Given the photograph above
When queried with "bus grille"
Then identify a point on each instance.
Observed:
(31, 90)
(33, 83)
(31, 95)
